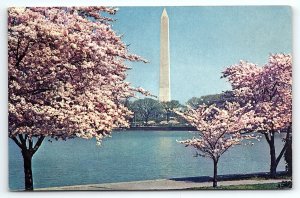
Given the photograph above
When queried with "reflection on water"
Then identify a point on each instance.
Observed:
(131, 156)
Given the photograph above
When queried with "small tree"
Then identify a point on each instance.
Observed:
(146, 108)
(66, 77)
(269, 91)
(218, 130)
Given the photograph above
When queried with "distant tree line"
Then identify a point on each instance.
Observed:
(151, 112)
(218, 99)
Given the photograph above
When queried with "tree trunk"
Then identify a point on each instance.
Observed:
(288, 151)
(215, 173)
(288, 157)
(273, 165)
(270, 139)
(275, 160)
(28, 150)
(27, 157)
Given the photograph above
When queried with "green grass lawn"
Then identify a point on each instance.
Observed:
(266, 178)
(267, 186)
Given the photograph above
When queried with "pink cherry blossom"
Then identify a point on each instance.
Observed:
(218, 129)
(66, 72)
(268, 92)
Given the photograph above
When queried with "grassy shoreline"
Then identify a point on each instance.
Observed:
(265, 186)
(251, 182)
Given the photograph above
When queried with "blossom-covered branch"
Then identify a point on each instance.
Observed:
(268, 90)
(218, 129)
(66, 73)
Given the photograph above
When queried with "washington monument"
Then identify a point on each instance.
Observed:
(164, 78)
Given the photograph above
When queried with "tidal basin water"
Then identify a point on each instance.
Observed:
(131, 156)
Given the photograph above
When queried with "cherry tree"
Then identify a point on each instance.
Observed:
(268, 90)
(218, 129)
(66, 73)
(145, 108)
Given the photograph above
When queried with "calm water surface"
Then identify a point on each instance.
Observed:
(130, 156)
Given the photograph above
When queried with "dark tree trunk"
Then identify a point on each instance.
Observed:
(28, 150)
(27, 157)
(215, 182)
(288, 157)
(275, 160)
(273, 165)
(270, 139)
(288, 152)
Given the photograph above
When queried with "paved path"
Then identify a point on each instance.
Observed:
(159, 184)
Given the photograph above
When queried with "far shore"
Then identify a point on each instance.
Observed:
(161, 128)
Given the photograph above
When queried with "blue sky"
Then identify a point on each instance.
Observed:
(203, 41)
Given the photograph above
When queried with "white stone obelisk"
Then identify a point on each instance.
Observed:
(164, 78)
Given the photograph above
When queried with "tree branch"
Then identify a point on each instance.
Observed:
(30, 144)
(225, 150)
(17, 49)
(38, 143)
(274, 89)
(17, 142)
(35, 91)
(20, 58)
(281, 153)
(220, 137)
(23, 141)
(267, 138)
(287, 139)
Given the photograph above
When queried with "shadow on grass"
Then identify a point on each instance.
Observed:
(266, 186)
(256, 176)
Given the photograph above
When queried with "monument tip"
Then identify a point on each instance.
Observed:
(164, 13)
